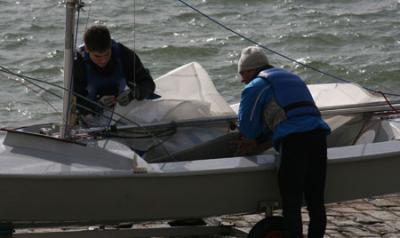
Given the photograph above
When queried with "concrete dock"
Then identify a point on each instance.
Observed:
(370, 217)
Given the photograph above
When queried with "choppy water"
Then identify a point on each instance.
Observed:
(356, 40)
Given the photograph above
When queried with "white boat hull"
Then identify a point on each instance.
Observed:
(187, 189)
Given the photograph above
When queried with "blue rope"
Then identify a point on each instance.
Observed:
(276, 52)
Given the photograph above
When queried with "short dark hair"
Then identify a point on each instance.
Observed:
(97, 38)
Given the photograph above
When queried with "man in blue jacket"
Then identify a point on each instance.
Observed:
(276, 104)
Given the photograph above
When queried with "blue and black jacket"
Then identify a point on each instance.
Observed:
(124, 69)
(278, 103)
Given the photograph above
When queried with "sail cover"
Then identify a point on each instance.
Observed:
(186, 93)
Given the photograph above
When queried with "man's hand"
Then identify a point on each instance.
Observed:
(245, 146)
(250, 147)
(128, 95)
(108, 101)
(137, 94)
(125, 97)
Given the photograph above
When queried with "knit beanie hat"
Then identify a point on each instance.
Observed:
(252, 57)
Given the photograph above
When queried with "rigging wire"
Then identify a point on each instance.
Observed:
(159, 142)
(140, 131)
(134, 48)
(88, 15)
(30, 80)
(80, 6)
(34, 81)
(37, 93)
(278, 53)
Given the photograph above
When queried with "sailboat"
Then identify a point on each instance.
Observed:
(55, 174)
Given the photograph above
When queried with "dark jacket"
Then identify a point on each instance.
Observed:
(132, 68)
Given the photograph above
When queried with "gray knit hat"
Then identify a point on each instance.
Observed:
(252, 57)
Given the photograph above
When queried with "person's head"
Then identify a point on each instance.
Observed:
(97, 40)
(252, 59)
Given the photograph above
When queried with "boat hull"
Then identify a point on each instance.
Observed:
(138, 197)
(187, 189)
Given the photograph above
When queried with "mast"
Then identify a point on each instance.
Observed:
(71, 6)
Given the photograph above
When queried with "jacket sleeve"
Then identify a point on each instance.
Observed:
(251, 122)
(136, 74)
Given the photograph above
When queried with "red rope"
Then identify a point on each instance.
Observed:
(395, 111)
(365, 123)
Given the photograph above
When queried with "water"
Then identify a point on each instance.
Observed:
(355, 40)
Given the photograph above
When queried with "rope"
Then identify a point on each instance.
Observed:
(389, 103)
(276, 52)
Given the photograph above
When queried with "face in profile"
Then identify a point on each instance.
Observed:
(247, 76)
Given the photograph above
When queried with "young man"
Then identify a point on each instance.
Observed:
(277, 104)
(107, 72)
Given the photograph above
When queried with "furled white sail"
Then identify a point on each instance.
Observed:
(186, 93)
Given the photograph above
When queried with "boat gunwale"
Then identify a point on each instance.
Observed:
(249, 168)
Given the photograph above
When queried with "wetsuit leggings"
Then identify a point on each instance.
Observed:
(302, 173)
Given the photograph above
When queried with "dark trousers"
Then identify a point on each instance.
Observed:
(302, 172)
